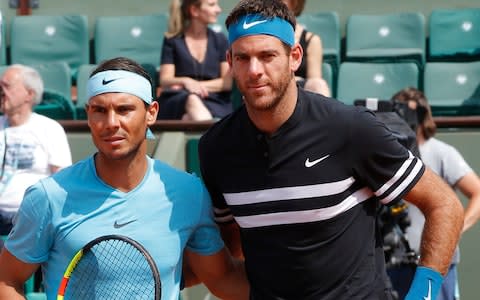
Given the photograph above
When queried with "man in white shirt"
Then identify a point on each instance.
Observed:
(32, 146)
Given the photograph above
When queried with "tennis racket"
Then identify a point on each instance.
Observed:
(111, 267)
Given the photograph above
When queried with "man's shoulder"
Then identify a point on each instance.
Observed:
(318, 105)
(167, 170)
(437, 146)
(225, 127)
(44, 120)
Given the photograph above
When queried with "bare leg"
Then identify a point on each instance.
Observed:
(318, 85)
(196, 110)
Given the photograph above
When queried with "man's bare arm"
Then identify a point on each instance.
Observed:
(13, 274)
(223, 275)
(443, 213)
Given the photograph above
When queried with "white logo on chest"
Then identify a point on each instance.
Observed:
(310, 164)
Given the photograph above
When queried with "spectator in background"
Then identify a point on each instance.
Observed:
(309, 73)
(32, 146)
(449, 164)
(194, 74)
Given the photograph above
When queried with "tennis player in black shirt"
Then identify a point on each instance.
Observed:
(297, 179)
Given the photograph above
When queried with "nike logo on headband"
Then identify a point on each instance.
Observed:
(105, 82)
(248, 25)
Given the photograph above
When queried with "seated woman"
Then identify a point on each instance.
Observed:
(309, 74)
(194, 74)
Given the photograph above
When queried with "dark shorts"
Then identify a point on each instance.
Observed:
(172, 104)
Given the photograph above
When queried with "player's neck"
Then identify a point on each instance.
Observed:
(122, 174)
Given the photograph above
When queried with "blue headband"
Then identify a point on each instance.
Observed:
(119, 81)
(253, 24)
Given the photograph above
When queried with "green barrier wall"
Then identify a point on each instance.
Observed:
(468, 143)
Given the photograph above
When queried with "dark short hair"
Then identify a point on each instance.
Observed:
(124, 64)
(267, 8)
(298, 7)
(426, 123)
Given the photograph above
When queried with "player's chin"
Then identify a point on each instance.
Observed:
(114, 152)
(260, 103)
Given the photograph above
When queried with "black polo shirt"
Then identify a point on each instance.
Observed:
(306, 198)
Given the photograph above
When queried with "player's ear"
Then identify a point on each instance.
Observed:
(229, 57)
(296, 55)
(152, 111)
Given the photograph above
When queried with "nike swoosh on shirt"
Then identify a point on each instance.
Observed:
(429, 294)
(120, 225)
(310, 164)
(248, 25)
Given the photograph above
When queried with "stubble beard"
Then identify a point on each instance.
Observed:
(268, 102)
(120, 153)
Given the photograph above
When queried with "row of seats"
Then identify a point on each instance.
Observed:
(56, 45)
(453, 34)
(41, 39)
(453, 88)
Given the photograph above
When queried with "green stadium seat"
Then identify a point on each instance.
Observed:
(137, 37)
(385, 38)
(454, 34)
(236, 97)
(44, 39)
(374, 80)
(2, 69)
(3, 47)
(55, 76)
(327, 26)
(328, 76)
(84, 72)
(55, 106)
(453, 88)
(192, 161)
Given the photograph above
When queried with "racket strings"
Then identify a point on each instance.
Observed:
(112, 269)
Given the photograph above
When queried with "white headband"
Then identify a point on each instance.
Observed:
(119, 81)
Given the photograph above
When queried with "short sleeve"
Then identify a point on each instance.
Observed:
(32, 235)
(167, 51)
(206, 239)
(454, 165)
(222, 212)
(380, 161)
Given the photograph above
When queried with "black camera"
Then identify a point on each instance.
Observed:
(393, 222)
